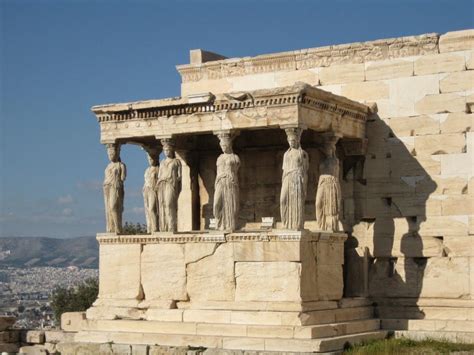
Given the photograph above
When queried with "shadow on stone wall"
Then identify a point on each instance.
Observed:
(384, 254)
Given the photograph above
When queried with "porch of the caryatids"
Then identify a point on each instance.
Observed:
(226, 188)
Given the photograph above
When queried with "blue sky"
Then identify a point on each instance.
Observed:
(59, 58)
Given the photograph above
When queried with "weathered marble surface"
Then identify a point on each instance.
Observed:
(294, 182)
(226, 189)
(115, 175)
(149, 270)
(169, 187)
(150, 192)
(328, 196)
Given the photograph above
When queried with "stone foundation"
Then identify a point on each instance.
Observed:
(263, 290)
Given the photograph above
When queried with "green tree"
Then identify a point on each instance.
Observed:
(134, 228)
(74, 299)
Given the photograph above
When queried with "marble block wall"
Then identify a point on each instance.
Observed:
(137, 273)
(411, 210)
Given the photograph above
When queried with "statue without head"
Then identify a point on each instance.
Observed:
(328, 196)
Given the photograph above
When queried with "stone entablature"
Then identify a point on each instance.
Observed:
(358, 52)
(299, 105)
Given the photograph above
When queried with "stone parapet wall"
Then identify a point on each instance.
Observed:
(264, 266)
(354, 62)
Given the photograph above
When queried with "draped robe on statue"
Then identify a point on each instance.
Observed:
(115, 174)
(328, 196)
(169, 187)
(150, 198)
(226, 192)
(293, 189)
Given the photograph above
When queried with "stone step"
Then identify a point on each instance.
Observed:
(426, 312)
(227, 342)
(428, 325)
(455, 337)
(336, 329)
(260, 317)
(275, 305)
(239, 330)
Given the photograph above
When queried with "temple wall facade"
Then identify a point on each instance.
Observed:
(410, 209)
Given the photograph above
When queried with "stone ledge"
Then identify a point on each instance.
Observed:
(216, 237)
(457, 337)
(336, 343)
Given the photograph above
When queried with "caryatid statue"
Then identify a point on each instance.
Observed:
(150, 190)
(328, 195)
(169, 187)
(294, 182)
(226, 190)
(115, 174)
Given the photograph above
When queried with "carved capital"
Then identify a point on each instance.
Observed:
(300, 126)
(163, 136)
(226, 133)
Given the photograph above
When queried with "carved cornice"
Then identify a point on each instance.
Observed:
(298, 94)
(312, 58)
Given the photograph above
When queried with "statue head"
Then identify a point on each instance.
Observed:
(225, 142)
(113, 152)
(293, 136)
(168, 147)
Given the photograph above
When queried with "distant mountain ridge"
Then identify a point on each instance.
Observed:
(43, 251)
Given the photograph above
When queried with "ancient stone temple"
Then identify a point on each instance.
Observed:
(304, 200)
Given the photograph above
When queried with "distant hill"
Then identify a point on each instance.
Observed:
(41, 251)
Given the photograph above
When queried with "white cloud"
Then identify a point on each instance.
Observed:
(65, 200)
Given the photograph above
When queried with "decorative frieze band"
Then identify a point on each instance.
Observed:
(312, 58)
